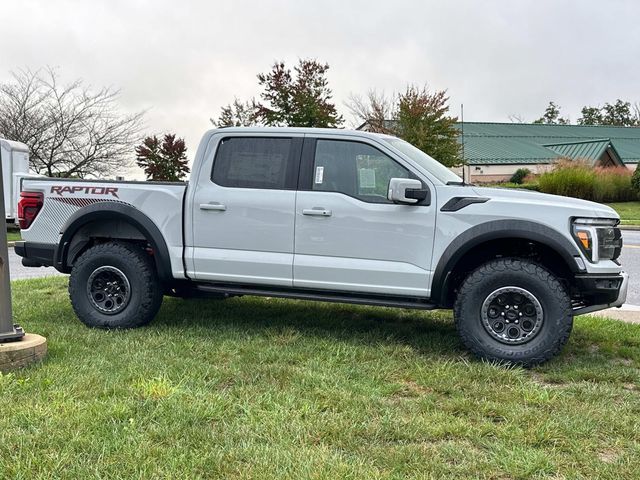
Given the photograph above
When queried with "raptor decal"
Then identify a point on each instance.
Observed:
(61, 190)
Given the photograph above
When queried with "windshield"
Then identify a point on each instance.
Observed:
(434, 167)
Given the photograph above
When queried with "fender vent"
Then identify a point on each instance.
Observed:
(458, 203)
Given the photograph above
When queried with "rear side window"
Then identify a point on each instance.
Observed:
(244, 162)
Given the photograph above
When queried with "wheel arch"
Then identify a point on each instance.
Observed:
(480, 238)
(132, 225)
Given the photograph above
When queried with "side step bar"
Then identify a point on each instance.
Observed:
(380, 301)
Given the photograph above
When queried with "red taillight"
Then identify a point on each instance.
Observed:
(28, 207)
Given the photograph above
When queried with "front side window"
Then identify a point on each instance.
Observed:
(431, 165)
(355, 169)
(244, 162)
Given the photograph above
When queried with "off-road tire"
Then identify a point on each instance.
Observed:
(145, 296)
(551, 294)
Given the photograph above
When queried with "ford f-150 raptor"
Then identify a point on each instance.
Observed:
(331, 215)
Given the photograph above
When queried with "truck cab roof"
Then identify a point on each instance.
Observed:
(300, 130)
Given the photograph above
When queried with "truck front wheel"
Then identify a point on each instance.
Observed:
(115, 285)
(513, 310)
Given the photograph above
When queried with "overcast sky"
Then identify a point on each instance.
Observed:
(182, 60)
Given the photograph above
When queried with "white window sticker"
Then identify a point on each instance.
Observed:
(319, 174)
(367, 178)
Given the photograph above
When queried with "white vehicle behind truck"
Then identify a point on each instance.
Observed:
(330, 215)
(14, 157)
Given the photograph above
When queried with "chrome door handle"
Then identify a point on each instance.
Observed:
(213, 206)
(317, 211)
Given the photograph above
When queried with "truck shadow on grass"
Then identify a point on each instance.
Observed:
(595, 345)
(427, 331)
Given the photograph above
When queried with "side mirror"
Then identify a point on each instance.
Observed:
(406, 190)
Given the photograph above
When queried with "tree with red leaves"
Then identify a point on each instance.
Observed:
(417, 115)
(166, 161)
(301, 98)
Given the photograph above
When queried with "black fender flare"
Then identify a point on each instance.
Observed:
(495, 230)
(105, 211)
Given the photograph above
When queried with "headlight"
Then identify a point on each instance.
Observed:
(598, 238)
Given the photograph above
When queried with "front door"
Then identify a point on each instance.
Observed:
(348, 236)
(243, 211)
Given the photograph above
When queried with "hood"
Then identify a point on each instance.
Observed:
(531, 198)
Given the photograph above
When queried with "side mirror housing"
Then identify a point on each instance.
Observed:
(407, 191)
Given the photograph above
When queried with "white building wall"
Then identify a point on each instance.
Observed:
(497, 173)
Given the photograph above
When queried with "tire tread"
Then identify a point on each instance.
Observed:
(150, 291)
(502, 265)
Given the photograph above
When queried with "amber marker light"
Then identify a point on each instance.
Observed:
(584, 239)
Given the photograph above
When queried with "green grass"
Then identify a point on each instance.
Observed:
(13, 235)
(629, 212)
(266, 388)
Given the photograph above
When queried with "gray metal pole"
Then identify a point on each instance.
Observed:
(8, 331)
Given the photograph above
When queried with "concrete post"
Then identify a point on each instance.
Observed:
(8, 331)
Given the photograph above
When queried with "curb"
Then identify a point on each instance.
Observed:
(11, 244)
(629, 227)
(626, 313)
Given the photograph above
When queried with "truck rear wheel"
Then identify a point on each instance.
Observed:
(513, 310)
(115, 285)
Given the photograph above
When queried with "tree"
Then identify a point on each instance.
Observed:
(298, 99)
(635, 179)
(552, 116)
(591, 116)
(303, 101)
(71, 130)
(237, 114)
(166, 161)
(376, 110)
(618, 114)
(423, 122)
(416, 115)
(516, 118)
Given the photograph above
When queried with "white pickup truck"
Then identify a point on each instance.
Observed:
(331, 215)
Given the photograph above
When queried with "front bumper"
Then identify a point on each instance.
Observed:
(602, 291)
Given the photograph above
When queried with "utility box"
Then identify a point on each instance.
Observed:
(15, 166)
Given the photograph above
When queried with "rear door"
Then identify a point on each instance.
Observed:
(243, 209)
(348, 236)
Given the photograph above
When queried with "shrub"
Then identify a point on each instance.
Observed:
(534, 186)
(577, 179)
(613, 185)
(520, 186)
(635, 179)
(519, 175)
(572, 179)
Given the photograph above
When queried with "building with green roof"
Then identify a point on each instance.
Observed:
(494, 151)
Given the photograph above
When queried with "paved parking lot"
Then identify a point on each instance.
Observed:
(18, 272)
(630, 260)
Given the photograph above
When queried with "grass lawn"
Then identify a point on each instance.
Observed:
(266, 388)
(629, 212)
(13, 235)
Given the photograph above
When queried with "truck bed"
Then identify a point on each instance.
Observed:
(161, 202)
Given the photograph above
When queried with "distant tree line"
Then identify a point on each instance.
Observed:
(620, 114)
